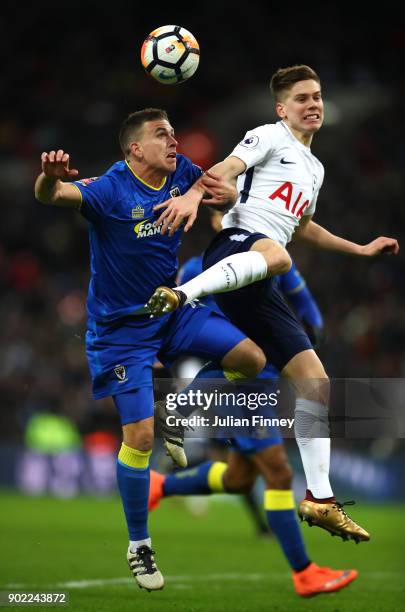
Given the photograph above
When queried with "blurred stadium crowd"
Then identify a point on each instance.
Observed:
(71, 81)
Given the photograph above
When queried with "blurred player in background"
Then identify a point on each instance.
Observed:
(129, 257)
(278, 180)
(248, 458)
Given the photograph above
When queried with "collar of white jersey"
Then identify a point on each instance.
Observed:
(302, 146)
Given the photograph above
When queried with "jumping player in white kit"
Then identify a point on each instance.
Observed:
(278, 182)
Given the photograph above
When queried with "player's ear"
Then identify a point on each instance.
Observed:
(280, 110)
(136, 150)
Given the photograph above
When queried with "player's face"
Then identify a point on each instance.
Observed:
(302, 107)
(158, 145)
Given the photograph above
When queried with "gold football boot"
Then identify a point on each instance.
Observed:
(333, 518)
(165, 300)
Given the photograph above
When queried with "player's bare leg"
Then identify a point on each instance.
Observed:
(266, 258)
(319, 507)
(308, 578)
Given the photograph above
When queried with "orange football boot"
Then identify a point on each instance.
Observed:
(155, 489)
(314, 580)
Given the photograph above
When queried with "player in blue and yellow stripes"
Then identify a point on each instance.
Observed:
(129, 257)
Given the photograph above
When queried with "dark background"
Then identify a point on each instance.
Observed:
(71, 72)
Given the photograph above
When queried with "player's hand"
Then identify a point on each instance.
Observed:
(176, 211)
(220, 191)
(185, 207)
(380, 246)
(55, 164)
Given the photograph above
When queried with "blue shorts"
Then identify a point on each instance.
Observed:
(260, 309)
(121, 354)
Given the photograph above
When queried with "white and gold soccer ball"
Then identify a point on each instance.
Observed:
(170, 54)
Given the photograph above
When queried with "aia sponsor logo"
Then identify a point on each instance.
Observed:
(292, 202)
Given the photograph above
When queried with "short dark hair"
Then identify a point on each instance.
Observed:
(134, 122)
(285, 78)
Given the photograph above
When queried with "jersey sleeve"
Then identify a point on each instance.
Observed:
(196, 172)
(291, 282)
(294, 287)
(188, 171)
(98, 196)
(255, 146)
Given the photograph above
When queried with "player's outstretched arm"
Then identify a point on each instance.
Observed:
(319, 237)
(218, 191)
(224, 192)
(49, 186)
(180, 209)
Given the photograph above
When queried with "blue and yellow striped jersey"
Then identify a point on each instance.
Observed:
(129, 257)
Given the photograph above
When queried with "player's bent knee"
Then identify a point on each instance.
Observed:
(315, 389)
(308, 376)
(139, 435)
(256, 361)
(284, 261)
(278, 261)
(246, 358)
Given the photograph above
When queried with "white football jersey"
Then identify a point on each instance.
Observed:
(280, 185)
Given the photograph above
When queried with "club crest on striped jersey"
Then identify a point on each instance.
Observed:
(175, 192)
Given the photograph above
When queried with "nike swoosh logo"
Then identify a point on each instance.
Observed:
(284, 161)
(231, 266)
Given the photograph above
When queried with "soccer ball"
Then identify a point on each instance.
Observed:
(170, 54)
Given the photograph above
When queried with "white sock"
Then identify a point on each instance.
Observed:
(134, 544)
(230, 273)
(312, 421)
